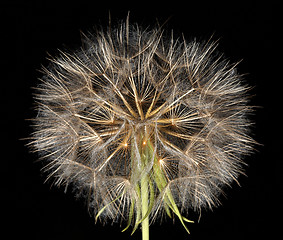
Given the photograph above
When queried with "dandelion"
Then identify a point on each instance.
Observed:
(142, 125)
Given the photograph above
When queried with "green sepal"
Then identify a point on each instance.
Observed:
(102, 209)
(130, 216)
(151, 201)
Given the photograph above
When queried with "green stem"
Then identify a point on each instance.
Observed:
(145, 195)
(144, 203)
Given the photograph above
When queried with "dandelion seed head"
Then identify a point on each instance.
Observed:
(129, 92)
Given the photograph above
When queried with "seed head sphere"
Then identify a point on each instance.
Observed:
(135, 113)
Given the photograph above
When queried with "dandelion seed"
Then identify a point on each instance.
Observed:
(141, 124)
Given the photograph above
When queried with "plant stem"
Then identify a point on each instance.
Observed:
(145, 192)
(144, 202)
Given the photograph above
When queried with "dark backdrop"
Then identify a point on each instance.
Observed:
(247, 31)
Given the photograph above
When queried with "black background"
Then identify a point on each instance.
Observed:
(247, 31)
